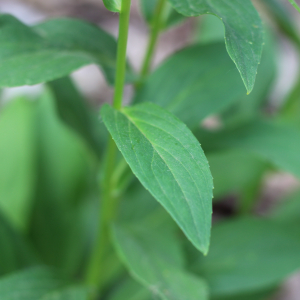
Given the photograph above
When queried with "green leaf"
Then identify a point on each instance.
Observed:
(74, 110)
(288, 211)
(169, 162)
(233, 171)
(113, 5)
(52, 50)
(130, 289)
(209, 30)
(243, 27)
(258, 295)
(65, 180)
(147, 257)
(266, 139)
(205, 82)
(251, 106)
(293, 2)
(139, 206)
(30, 284)
(15, 252)
(70, 293)
(291, 107)
(39, 283)
(248, 255)
(17, 160)
(171, 17)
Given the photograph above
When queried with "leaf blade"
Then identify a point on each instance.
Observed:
(51, 50)
(160, 169)
(243, 27)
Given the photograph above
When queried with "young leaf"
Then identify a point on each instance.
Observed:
(169, 162)
(149, 262)
(52, 50)
(248, 255)
(265, 139)
(17, 160)
(205, 82)
(243, 27)
(293, 2)
(113, 5)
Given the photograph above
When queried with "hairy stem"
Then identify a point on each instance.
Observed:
(96, 266)
(157, 25)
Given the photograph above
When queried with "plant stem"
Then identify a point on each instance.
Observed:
(156, 28)
(122, 48)
(96, 266)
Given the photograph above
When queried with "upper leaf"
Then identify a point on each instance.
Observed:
(52, 50)
(243, 28)
(149, 262)
(194, 83)
(113, 5)
(169, 162)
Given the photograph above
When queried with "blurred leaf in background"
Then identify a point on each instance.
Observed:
(54, 46)
(65, 181)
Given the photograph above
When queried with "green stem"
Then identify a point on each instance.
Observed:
(122, 49)
(96, 266)
(156, 28)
